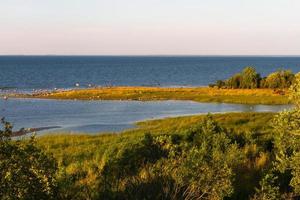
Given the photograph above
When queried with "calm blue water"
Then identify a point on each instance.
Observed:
(100, 116)
(48, 72)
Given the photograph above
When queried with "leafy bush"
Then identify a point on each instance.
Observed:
(282, 181)
(125, 161)
(26, 172)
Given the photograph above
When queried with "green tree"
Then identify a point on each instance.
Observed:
(234, 82)
(279, 79)
(249, 78)
(26, 172)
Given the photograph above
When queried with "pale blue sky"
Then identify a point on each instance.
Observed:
(150, 27)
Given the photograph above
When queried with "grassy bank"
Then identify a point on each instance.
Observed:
(80, 156)
(82, 147)
(202, 94)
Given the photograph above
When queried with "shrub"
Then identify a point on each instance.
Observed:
(125, 161)
(26, 172)
(204, 168)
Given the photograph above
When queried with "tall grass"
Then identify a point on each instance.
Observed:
(81, 156)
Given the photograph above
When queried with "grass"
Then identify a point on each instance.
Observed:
(80, 156)
(238, 121)
(82, 148)
(201, 94)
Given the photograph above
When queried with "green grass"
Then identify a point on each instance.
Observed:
(83, 149)
(81, 155)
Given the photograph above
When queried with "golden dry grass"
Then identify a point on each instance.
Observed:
(201, 94)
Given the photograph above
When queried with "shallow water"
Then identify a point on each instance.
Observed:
(102, 116)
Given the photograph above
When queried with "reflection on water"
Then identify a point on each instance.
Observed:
(99, 116)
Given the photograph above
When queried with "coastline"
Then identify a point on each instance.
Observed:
(197, 94)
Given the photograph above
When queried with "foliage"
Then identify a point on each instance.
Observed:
(286, 127)
(205, 169)
(279, 79)
(26, 172)
(250, 79)
(234, 82)
(295, 91)
(183, 157)
(268, 189)
(222, 156)
(220, 84)
(125, 161)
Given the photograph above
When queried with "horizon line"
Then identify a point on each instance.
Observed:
(156, 55)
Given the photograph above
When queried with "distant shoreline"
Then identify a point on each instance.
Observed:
(197, 94)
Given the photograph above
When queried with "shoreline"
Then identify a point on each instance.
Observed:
(136, 93)
(141, 125)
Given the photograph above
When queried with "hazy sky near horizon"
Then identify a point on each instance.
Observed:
(150, 27)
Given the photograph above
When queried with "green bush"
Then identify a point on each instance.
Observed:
(124, 162)
(26, 172)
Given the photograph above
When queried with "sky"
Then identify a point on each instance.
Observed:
(149, 27)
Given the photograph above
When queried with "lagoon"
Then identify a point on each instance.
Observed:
(108, 116)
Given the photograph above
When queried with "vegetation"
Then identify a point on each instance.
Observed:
(162, 157)
(26, 172)
(250, 79)
(284, 173)
(245, 96)
(224, 156)
(279, 79)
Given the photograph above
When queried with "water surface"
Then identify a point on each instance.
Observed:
(48, 72)
(101, 116)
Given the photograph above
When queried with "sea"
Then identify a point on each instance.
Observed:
(48, 72)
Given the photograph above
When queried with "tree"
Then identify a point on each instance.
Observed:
(279, 79)
(234, 82)
(249, 78)
(26, 172)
